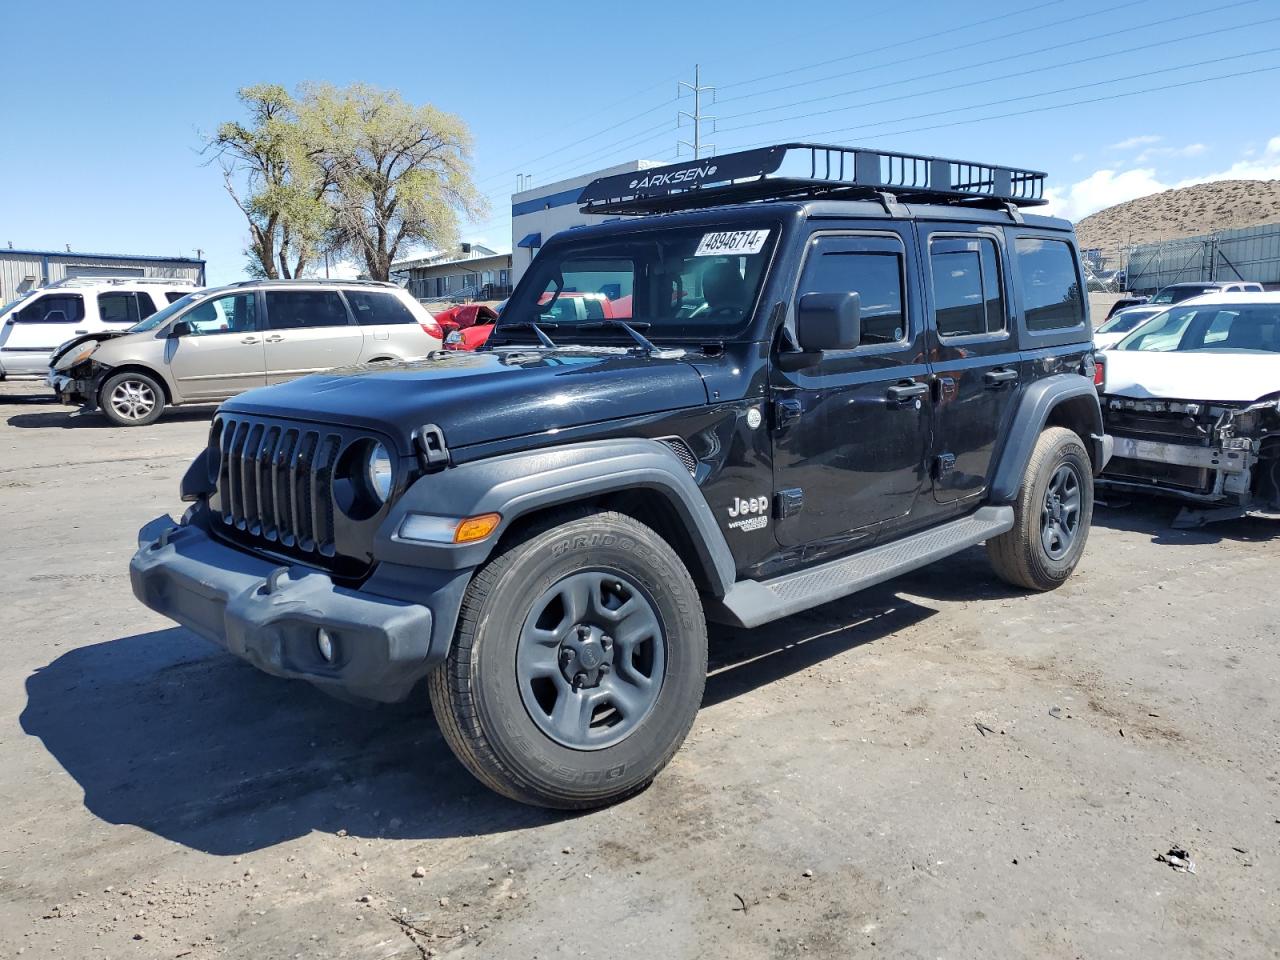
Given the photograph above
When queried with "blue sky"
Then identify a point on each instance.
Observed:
(105, 104)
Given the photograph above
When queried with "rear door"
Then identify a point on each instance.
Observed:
(121, 309)
(221, 354)
(389, 327)
(852, 428)
(308, 331)
(975, 353)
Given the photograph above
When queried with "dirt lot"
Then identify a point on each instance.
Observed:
(942, 767)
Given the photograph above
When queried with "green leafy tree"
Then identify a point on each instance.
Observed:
(278, 180)
(397, 175)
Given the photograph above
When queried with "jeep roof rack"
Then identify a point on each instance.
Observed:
(797, 171)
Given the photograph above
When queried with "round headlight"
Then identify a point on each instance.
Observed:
(378, 471)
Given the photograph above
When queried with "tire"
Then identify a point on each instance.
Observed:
(1048, 535)
(536, 699)
(132, 399)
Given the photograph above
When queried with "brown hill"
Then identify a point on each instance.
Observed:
(1184, 212)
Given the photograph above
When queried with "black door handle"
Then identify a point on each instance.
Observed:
(1000, 376)
(910, 390)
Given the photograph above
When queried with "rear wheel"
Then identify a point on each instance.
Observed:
(132, 399)
(1052, 515)
(578, 666)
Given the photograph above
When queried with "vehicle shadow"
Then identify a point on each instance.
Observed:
(1153, 517)
(67, 418)
(164, 732)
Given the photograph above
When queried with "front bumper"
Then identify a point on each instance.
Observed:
(72, 391)
(1203, 474)
(270, 615)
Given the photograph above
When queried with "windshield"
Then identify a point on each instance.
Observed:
(690, 282)
(1126, 321)
(1178, 294)
(1222, 328)
(161, 317)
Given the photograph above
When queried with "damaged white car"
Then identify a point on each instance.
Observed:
(1192, 398)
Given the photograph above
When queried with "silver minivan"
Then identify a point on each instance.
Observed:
(217, 342)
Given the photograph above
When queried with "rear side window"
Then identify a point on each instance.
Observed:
(378, 309)
(870, 267)
(55, 308)
(172, 295)
(967, 294)
(120, 308)
(146, 304)
(1050, 284)
(295, 309)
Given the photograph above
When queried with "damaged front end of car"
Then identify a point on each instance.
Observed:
(73, 373)
(1222, 458)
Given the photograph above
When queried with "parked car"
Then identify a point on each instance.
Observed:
(1177, 292)
(813, 392)
(1192, 399)
(570, 306)
(1119, 325)
(1124, 303)
(32, 326)
(215, 343)
(466, 327)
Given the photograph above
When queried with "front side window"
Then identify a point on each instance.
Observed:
(236, 313)
(966, 286)
(54, 308)
(871, 267)
(118, 308)
(298, 309)
(378, 309)
(1050, 284)
(1234, 328)
(690, 282)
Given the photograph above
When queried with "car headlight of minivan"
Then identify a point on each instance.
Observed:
(378, 471)
(77, 355)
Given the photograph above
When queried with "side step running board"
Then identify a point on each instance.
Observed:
(750, 603)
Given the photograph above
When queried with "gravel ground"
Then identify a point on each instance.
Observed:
(941, 767)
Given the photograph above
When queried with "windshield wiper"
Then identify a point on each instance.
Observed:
(539, 330)
(644, 342)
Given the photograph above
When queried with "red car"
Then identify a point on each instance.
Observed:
(467, 331)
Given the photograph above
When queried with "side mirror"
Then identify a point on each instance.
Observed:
(180, 329)
(829, 321)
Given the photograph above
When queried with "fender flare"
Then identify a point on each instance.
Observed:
(1035, 406)
(514, 485)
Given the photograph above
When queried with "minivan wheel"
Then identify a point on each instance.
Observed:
(1051, 515)
(578, 665)
(132, 399)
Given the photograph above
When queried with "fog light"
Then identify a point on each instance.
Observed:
(324, 643)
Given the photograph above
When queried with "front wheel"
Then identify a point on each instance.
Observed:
(578, 665)
(132, 399)
(1052, 515)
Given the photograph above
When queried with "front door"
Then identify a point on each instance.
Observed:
(975, 356)
(220, 354)
(852, 427)
(307, 331)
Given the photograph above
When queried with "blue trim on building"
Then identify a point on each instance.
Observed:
(561, 199)
(45, 256)
(531, 240)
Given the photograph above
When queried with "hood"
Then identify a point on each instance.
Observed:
(491, 395)
(1211, 376)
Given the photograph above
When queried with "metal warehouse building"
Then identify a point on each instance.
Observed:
(23, 270)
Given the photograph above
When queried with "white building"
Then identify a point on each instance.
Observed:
(540, 212)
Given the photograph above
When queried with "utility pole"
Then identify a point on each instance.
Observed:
(697, 146)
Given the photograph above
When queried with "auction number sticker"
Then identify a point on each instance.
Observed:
(731, 241)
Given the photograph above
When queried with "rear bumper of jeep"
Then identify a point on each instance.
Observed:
(287, 621)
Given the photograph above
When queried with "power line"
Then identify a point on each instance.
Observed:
(1031, 110)
(972, 83)
(951, 49)
(892, 46)
(1028, 96)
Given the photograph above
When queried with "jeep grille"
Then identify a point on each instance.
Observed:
(275, 483)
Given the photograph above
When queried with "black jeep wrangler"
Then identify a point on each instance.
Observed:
(804, 370)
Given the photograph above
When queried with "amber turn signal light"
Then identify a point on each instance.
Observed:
(476, 528)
